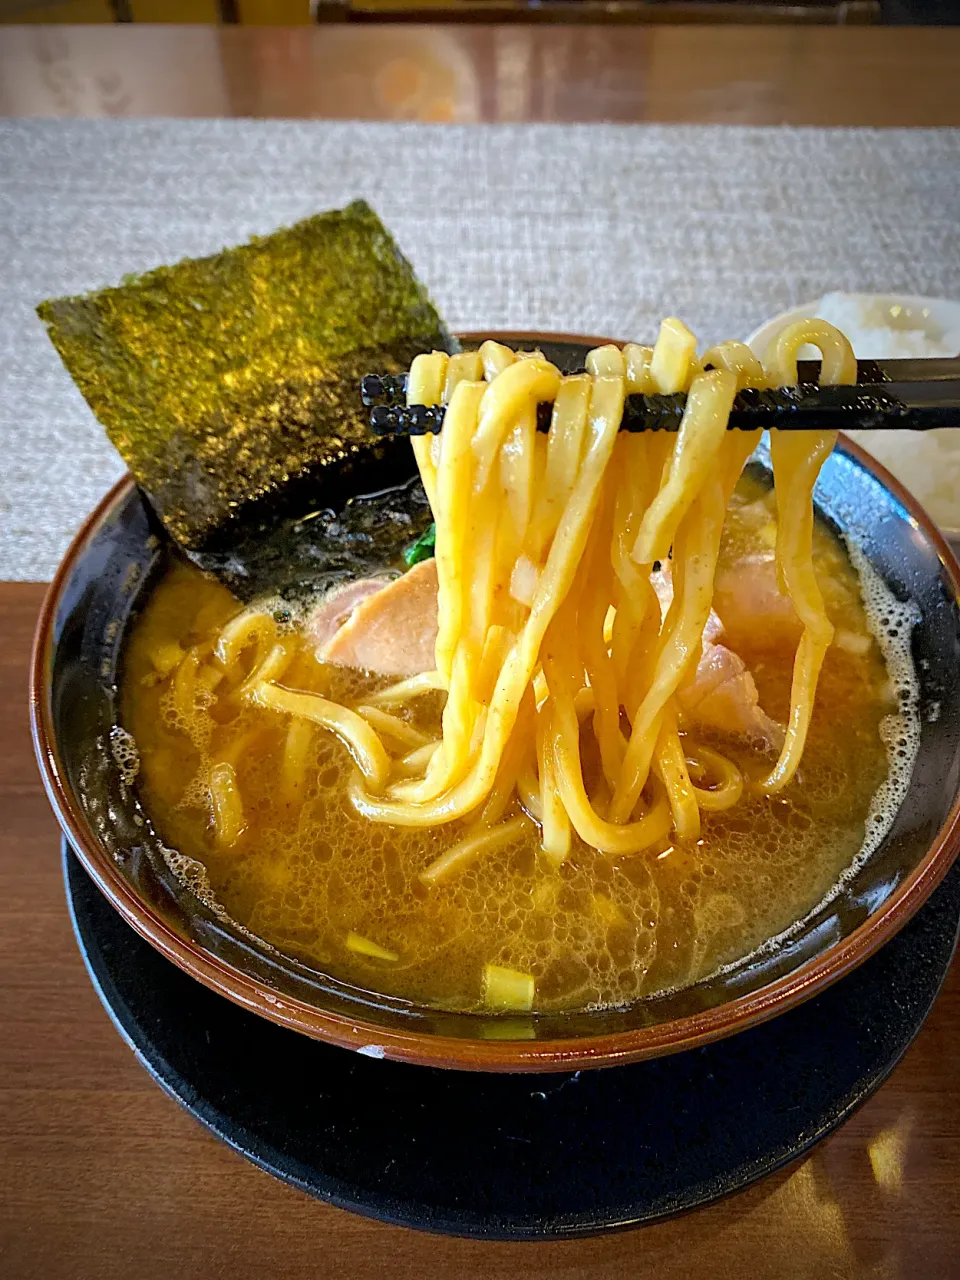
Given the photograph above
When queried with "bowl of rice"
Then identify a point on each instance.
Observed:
(895, 326)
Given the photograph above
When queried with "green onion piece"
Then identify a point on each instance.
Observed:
(507, 989)
(365, 947)
(422, 549)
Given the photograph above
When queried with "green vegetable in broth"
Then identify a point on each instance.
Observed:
(422, 549)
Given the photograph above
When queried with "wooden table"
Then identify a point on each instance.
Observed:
(101, 1175)
(745, 75)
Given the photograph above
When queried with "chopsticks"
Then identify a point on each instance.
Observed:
(889, 395)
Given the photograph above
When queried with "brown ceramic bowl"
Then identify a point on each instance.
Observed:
(104, 577)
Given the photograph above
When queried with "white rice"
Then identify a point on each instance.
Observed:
(928, 463)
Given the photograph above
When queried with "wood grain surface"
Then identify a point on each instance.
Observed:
(103, 1177)
(746, 75)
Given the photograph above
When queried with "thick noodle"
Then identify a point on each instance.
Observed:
(552, 646)
(797, 457)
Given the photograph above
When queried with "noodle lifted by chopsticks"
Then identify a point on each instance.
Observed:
(549, 626)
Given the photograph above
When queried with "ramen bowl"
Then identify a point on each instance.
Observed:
(109, 570)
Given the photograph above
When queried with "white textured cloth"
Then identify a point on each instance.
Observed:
(582, 228)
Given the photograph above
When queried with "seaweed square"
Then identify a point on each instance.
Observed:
(222, 379)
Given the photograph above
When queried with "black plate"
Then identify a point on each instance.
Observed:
(517, 1157)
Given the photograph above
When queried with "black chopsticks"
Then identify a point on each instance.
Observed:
(889, 395)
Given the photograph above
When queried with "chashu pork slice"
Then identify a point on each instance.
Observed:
(750, 605)
(391, 629)
(336, 608)
(722, 694)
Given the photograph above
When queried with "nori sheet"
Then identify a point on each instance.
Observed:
(227, 381)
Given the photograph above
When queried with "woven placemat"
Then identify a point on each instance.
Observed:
(582, 228)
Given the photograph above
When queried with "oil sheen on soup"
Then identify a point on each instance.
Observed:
(307, 872)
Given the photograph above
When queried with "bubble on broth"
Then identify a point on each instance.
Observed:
(891, 622)
(599, 933)
(193, 875)
(123, 748)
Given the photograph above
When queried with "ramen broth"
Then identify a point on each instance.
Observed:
(308, 872)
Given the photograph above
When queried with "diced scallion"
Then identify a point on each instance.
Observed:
(508, 1029)
(166, 656)
(364, 947)
(608, 911)
(507, 989)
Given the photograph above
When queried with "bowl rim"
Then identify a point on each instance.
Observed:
(610, 1049)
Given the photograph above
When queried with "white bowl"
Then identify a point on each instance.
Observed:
(927, 463)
